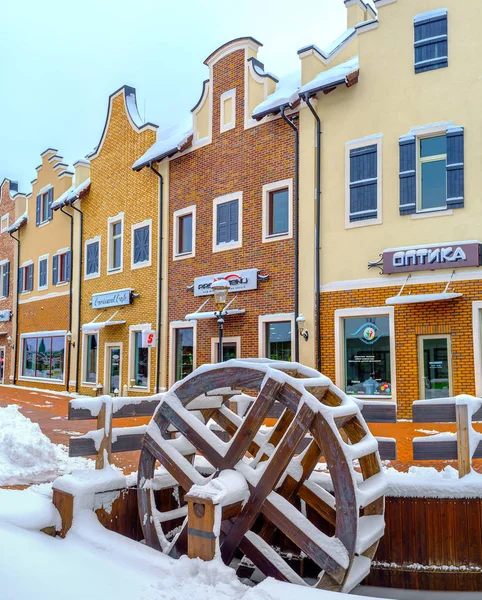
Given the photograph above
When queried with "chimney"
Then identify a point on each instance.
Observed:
(356, 12)
(13, 186)
(82, 171)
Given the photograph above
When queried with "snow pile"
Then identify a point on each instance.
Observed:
(26, 454)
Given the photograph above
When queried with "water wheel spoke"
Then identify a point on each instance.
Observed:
(315, 497)
(169, 463)
(222, 418)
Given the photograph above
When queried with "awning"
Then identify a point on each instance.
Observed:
(96, 325)
(213, 315)
(415, 298)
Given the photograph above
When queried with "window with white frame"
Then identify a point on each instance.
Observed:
(4, 223)
(25, 278)
(184, 234)
(61, 267)
(228, 110)
(115, 243)
(432, 171)
(43, 356)
(277, 210)
(228, 221)
(276, 336)
(363, 182)
(90, 356)
(231, 348)
(43, 270)
(4, 279)
(92, 258)
(141, 244)
(431, 40)
(43, 207)
(138, 358)
(182, 349)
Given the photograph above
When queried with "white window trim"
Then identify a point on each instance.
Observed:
(22, 266)
(232, 123)
(2, 266)
(275, 318)
(84, 359)
(40, 259)
(267, 189)
(172, 346)
(44, 192)
(421, 133)
(4, 219)
(110, 221)
(352, 145)
(182, 212)
(236, 339)
(108, 345)
(377, 311)
(42, 334)
(93, 240)
(60, 253)
(221, 200)
(137, 388)
(477, 337)
(147, 263)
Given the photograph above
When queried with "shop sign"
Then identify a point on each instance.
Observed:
(432, 257)
(148, 338)
(5, 315)
(240, 281)
(115, 298)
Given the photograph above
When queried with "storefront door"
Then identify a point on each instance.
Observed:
(435, 366)
(113, 366)
(2, 364)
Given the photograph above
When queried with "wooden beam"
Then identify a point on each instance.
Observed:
(64, 503)
(104, 421)
(463, 440)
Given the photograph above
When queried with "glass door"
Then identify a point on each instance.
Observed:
(230, 351)
(2, 364)
(435, 366)
(113, 369)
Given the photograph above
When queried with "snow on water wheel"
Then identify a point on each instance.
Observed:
(285, 491)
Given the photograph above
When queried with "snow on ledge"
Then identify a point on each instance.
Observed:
(431, 14)
(419, 298)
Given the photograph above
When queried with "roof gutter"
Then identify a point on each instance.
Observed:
(71, 217)
(15, 348)
(81, 256)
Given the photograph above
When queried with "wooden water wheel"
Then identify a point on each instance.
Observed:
(336, 525)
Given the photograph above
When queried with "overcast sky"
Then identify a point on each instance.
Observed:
(59, 61)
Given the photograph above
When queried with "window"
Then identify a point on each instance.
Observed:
(363, 182)
(141, 245)
(228, 110)
(184, 234)
(4, 223)
(5, 278)
(433, 173)
(43, 357)
(90, 358)
(231, 348)
(25, 278)
(43, 210)
(61, 268)
(140, 366)
(277, 210)
(431, 41)
(184, 344)
(276, 336)
(115, 243)
(227, 222)
(92, 256)
(43, 267)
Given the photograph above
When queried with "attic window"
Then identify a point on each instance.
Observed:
(228, 110)
(431, 40)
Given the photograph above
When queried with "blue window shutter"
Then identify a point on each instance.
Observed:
(30, 278)
(431, 41)
(20, 280)
(68, 265)
(93, 258)
(51, 199)
(408, 188)
(141, 244)
(6, 279)
(55, 269)
(233, 221)
(364, 183)
(42, 280)
(222, 223)
(37, 210)
(455, 167)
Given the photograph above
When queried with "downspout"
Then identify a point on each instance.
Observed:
(295, 229)
(77, 359)
(70, 291)
(15, 350)
(159, 276)
(317, 232)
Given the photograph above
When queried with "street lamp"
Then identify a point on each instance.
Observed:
(220, 288)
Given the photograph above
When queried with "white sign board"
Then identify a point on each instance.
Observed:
(240, 281)
(4, 315)
(115, 298)
(148, 338)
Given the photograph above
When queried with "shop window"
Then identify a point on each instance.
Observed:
(231, 348)
(25, 278)
(228, 110)
(141, 245)
(90, 358)
(277, 210)
(140, 362)
(115, 244)
(367, 366)
(92, 259)
(431, 40)
(4, 223)
(227, 222)
(43, 207)
(61, 268)
(184, 234)
(5, 279)
(278, 340)
(184, 352)
(43, 267)
(43, 357)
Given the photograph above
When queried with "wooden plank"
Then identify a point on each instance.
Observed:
(201, 541)
(356, 432)
(104, 421)
(179, 475)
(275, 411)
(122, 515)
(434, 413)
(223, 421)
(147, 463)
(379, 413)
(322, 508)
(289, 397)
(280, 429)
(433, 450)
(463, 441)
(125, 443)
(64, 503)
(387, 449)
(145, 408)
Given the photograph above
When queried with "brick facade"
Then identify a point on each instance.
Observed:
(452, 317)
(235, 160)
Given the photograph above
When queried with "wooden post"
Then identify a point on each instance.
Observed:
(64, 503)
(105, 447)
(201, 540)
(464, 457)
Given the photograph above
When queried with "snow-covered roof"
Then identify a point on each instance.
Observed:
(18, 223)
(432, 14)
(331, 77)
(286, 94)
(13, 188)
(333, 47)
(73, 193)
(418, 298)
(168, 142)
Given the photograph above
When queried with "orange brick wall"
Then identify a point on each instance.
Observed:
(236, 160)
(7, 252)
(452, 317)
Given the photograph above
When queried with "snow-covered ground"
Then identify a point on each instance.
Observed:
(27, 455)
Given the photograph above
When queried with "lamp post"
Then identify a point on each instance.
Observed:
(220, 288)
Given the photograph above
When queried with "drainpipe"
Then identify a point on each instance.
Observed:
(159, 277)
(307, 99)
(70, 290)
(77, 360)
(15, 349)
(295, 228)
